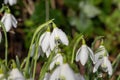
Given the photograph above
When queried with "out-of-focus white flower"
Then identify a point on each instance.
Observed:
(89, 10)
(100, 52)
(58, 59)
(11, 2)
(9, 20)
(63, 72)
(82, 54)
(105, 65)
(58, 36)
(2, 77)
(45, 43)
(79, 76)
(15, 74)
(47, 76)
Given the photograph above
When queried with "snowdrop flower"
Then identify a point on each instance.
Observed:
(58, 59)
(15, 74)
(82, 54)
(56, 36)
(9, 20)
(105, 65)
(11, 2)
(63, 72)
(45, 43)
(100, 52)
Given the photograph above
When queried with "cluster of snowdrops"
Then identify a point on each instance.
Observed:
(46, 42)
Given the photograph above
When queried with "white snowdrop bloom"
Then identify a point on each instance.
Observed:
(82, 54)
(9, 20)
(58, 60)
(79, 76)
(58, 36)
(10, 2)
(105, 65)
(63, 72)
(15, 74)
(100, 52)
(2, 77)
(47, 76)
(45, 43)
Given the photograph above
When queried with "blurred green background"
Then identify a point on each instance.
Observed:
(92, 18)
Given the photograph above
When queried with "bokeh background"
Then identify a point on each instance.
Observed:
(92, 18)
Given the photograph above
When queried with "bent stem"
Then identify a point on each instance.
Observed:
(36, 55)
(73, 52)
(6, 43)
(30, 49)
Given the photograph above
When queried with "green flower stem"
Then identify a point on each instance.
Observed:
(36, 55)
(30, 49)
(47, 9)
(6, 43)
(46, 65)
(116, 63)
(73, 52)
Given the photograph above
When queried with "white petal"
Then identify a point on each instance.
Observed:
(15, 74)
(83, 54)
(46, 43)
(99, 62)
(14, 21)
(12, 2)
(52, 41)
(7, 23)
(62, 36)
(41, 38)
(100, 53)
(109, 66)
(47, 76)
(79, 77)
(63, 71)
(67, 72)
(47, 52)
(5, 1)
(91, 55)
(56, 73)
(78, 55)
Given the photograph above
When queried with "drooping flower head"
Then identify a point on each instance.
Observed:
(10, 2)
(105, 64)
(101, 59)
(63, 72)
(9, 20)
(45, 42)
(83, 53)
(57, 36)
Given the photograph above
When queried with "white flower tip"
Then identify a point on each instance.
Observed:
(94, 70)
(83, 63)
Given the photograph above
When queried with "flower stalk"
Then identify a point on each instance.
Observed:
(6, 43)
